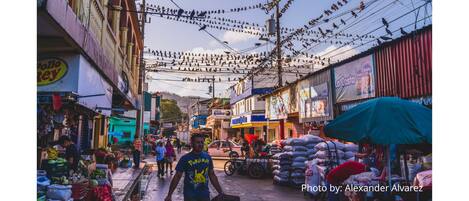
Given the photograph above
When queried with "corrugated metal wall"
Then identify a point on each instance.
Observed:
(404, 68)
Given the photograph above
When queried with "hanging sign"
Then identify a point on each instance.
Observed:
(50, 70)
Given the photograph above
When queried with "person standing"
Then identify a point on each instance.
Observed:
(71, 152)
(169, 156)
(137, 151)
(160, 152)
(197, 166)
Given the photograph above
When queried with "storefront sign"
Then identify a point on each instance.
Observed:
(58, 73)
(167, 125)
(221, 114)
(248, 119)
(355, 80)
(50, 70)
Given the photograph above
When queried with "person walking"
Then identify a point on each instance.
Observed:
(137, 152)
(178, 145)
(197, 166)
(170, 156)
(160, 152)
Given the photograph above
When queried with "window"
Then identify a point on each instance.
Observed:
(272, 136)
(225, 144)
(214, 144)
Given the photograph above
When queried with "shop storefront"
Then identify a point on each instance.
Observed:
(282, 106)
(217, 122)
(73, 99)
(254, 124)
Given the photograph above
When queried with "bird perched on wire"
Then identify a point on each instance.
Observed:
(203, 27)
(180, 11)
(385, 22)
(343, 22)
(388, 31)
(385, 38)
(403, 32)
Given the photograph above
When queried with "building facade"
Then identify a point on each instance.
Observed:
(87, 67)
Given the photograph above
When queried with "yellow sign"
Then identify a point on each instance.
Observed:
(50, 70)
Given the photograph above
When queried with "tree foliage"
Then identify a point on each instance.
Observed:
(170, 111)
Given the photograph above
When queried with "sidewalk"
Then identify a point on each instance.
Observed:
(124, 181)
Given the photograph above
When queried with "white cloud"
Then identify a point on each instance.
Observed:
(337, 54)
(237, 37)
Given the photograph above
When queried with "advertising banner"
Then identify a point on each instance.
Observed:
(221, 113)
(355, 80)
(303, 97)
(279, 105)
(320, 106)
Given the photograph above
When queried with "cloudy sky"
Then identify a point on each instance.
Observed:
(164, 34)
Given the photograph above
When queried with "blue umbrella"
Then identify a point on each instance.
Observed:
(384, 121)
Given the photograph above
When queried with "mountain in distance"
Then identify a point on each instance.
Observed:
(183, 102)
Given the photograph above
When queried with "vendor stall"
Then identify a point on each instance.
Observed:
(386, 124)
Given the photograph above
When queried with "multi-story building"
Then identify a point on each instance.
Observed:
(87, 67)
(219, 119)
(248, 108)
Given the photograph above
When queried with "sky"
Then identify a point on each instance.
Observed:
(164, 34)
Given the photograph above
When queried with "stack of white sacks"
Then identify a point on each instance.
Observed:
(299, 154)
(281, 167)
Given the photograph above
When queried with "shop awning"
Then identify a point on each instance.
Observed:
(249, 125)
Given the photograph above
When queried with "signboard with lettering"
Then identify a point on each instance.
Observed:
(221, 113)
(58, 73)
(50, 70)
(355, 80)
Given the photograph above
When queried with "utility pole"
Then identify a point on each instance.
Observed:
(140, 111)
(213, 87)
(279, 63)
(279, 48)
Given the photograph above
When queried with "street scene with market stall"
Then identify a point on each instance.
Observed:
(234, 100)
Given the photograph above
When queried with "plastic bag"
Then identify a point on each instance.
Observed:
(297, 153)
(423, 179)
(331, 145)
(312, 177)
(59, 192)
(299, 159)
(351, 147)
(297, 142)
(298, 174)
(288, 148)
(280, 179)
(299, 148)
(298, 165)
(310, 145)
(325, 154)
(312, 139)
(42, 182)
(349, 154)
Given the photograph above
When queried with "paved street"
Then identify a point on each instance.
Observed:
(248, 189)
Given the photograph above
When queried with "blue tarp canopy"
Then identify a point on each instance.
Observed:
(386, 120)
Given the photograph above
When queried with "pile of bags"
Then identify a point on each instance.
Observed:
(281, 167)
(275, 149)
